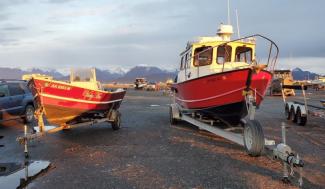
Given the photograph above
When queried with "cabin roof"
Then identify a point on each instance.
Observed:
(214, 41)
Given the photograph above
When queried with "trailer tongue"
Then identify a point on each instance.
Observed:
(252, 138)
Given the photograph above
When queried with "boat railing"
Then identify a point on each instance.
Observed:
(272, 56)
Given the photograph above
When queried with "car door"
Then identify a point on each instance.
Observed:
(17, 97)
(4, 102)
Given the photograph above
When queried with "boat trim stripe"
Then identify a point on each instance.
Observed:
(78, 100)
(217, 96)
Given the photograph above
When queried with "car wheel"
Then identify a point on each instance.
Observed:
(29, 114)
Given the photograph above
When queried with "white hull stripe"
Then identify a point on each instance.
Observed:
(213, 97)
(78, 100)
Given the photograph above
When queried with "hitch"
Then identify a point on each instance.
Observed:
(284, 153)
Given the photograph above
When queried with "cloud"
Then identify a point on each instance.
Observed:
(13, 28)
(59, 1)
(154, 32)
(314, 64)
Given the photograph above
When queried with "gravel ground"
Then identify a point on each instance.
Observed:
(150, 153)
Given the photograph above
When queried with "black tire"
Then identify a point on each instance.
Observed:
(287, 112)
(253, 138)
(293, 115)
(172, 120)
(300, 120)
(116, 124)
(29, 114)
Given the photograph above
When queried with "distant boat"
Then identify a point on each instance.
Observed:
(318, 83)
(216, 74)
(140, 83)
(71, 102)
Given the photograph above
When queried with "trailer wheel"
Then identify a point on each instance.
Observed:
(172, 120)
(253, 138)
(116, 117)
(300, 120)
(287, 112)
(293, 115)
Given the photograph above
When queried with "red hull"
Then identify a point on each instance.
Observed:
(63, 103)
(221, 89)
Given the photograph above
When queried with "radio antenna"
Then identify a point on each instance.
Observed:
(237, 18)
(229, 12)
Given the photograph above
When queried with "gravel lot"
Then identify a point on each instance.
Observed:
(150, 153)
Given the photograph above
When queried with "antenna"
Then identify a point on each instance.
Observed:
(229, 12)
(238, 33)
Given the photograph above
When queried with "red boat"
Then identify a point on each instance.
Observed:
(82, 98)
(217, 75)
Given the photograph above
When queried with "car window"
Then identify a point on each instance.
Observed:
(4, 89)
(15, 89)
(25, 87)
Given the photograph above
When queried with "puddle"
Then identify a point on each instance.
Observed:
(8, 168)
(154, 105)
(46, 128)
(17, 176)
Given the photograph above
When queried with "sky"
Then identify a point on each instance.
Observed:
(111, 34)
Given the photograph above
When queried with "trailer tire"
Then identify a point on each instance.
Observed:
(293, 115)
(172, 120)
(300, 120)
(116, 124)
(253, 138)
(29, 114)
(287, 112)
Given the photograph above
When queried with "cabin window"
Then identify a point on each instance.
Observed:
(203, 56)
(182, 63)
(185, 64)
(224, 54)
(188, 62)
(244, 54)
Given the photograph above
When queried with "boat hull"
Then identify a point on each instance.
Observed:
(220, 95)
(63, 103)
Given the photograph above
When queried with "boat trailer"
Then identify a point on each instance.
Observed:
(113, 117)
(252, 138)
(300, 112)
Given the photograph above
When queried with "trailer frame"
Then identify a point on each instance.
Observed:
(252, 137)
(300, 112)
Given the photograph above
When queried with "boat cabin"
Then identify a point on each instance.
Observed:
(140, 80)
(209, 55)
(85, 78)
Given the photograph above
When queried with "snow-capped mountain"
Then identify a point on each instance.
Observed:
(104, 75)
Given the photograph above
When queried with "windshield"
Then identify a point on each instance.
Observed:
(82, 75)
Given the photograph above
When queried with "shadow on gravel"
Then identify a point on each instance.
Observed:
(266, 173)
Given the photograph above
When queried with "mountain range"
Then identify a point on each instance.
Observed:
(150, 73)
(299, 74)
(154, 74)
